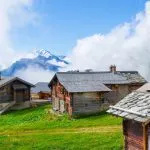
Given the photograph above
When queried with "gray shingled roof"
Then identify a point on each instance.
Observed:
(132, 76)
(84, 86)
(135, 106)
(103, 77)
(70, 79)
(41, 87)
(5, 81)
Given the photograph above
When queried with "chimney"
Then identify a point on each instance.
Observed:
(113, 68)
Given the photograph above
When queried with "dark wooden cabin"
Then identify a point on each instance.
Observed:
(135, 111)
(41, 91)
(90, 92)
(13, 91)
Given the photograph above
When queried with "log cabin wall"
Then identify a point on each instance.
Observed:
(148, 136)
(118, 92)
(61, 99)
(87, 103)
(6, 94)
(133, 135)
(134, 87)
(122, 89)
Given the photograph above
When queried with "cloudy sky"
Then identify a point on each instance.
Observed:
(92, 33)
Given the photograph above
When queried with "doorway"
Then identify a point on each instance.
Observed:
(19, 96)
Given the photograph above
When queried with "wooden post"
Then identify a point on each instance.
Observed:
(144, 137)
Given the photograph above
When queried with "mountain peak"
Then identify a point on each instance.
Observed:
(43, 53)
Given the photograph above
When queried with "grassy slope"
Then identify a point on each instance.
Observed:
(36, 128)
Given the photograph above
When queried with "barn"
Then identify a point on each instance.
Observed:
(41, 91)
(91, 92)
(14, 93)
(135, 111)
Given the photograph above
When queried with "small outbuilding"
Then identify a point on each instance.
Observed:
(41, 91)
(135, 111)
(14, 93)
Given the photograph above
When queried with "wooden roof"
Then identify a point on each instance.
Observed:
(6, 81)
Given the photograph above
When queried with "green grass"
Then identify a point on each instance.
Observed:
(37, 128)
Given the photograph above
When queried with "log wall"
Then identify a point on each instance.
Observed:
(6, 94)
(61, 99)
(134, 87)
(87, 103)
(133, 133)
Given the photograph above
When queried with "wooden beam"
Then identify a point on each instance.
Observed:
(129, 111)
(144, 137)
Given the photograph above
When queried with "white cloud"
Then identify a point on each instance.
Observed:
(54, 62)
(127, 46)
(35, 74)
(13, 13)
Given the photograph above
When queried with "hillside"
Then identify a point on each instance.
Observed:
(36, 128)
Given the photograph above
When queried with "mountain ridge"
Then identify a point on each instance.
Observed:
(43, 59)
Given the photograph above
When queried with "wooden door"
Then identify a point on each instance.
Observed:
(19, 96)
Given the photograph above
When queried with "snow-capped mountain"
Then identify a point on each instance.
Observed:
(43, 53)
(42, 59)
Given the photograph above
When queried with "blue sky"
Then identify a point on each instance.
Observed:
(62, 22)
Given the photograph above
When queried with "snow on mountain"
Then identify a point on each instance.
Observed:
(41, 59)
(43, 53)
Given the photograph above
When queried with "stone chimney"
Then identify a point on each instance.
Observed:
(113, 68)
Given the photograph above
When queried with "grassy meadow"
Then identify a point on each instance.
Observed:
(37, 128)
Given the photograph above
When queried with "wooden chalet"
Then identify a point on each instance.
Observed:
(41, 91)
(91, 92)
(135, 111)
(14, 93)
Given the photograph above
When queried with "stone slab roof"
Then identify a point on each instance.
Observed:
(98, 78)
(135, 106)
(103, 77)
(132, 76)
(85, 86)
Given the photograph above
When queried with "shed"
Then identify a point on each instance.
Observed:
(41, 91)
(135, 111)
(14, 91)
